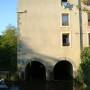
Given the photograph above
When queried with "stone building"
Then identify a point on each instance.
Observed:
(51, 35)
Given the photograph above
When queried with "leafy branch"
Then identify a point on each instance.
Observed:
(83, 7)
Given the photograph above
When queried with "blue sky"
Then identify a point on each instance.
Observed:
(7, 13)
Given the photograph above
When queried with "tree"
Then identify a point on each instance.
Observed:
(85, 66)
(8, 49)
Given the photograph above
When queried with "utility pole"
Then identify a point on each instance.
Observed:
(80, 23)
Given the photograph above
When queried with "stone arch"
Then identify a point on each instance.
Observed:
(35, 70)
(27, 72)
(69, 60)
(63, 70)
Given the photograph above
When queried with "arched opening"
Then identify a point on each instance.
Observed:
(63, 71)
(35, 74)
(37, 71)
(27, 72)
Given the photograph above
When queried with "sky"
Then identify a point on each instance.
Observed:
(8, 16)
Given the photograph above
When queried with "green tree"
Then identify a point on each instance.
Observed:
(8, 49)
(85, 66)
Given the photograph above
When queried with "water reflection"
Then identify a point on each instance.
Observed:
(14, 87)
(48, 85)
(42, 85)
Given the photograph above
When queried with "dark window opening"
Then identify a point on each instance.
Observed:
(88, 19)
(88, 2)
(89, 38)
(65, 19)
(64, 0)
(65, 40)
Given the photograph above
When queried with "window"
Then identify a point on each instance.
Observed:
(65, 19)
(88, 2)
(89, 39)
(88, 19)
(65, 39)
(64, 0)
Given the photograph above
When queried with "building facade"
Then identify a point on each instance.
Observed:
(51, 31)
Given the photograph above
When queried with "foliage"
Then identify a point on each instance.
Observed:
(84, 6)
(79, 82)
(84, 1)
(79, 76)
(85, 64)
(8, 49)
(84, 69)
